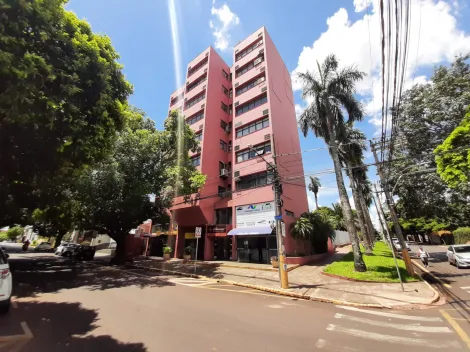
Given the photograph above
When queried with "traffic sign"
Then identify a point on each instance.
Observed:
(198, 232)
(278, 217)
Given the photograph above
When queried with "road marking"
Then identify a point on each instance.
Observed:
(410, 327)
(391, 315)
(394, 339)
(333, 347)
(17, 342)
(456, 327)
(257, 293)
(432, 275)
(465, 288)
(275, 306)
(187, 281)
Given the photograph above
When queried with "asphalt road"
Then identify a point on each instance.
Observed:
(71, 306)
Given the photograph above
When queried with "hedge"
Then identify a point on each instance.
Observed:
(462, 235)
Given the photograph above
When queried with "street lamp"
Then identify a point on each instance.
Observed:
(281, 253)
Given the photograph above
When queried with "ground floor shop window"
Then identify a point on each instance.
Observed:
(256, 249)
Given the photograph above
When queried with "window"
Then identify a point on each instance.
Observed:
(229, 168)
(192, 70)
(223, 216)
(222, 191)
(225, 90)
(248, 50)
(289, 213)
(230, 109)
(199, 137)
(195, 118)
(259, 179)
(196, 160)
(248, 154)
(230, 78)
(193, 85)
(195, 100)
(229, 146)
(249, 85)
(223, 145)
(224, 107)
(262, 99)
(252, 127)
(176, 99)
(223, 124)
(249, 66)
(225, 74)
(230, 93)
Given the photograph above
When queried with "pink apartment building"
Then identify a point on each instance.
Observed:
(231, 109)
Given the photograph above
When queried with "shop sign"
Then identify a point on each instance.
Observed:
(216, 229)
(255, 214)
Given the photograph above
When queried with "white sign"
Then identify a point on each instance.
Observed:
(255, 214)
(198, 232)
(283, 228)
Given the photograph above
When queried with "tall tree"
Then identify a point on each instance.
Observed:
(332, 91)
(314, 186)
(351, 147)
(62, 93)
(114, 197)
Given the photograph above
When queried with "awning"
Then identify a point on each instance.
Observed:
(251, 231)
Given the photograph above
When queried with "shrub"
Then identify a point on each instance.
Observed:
(34, 243)
(167, 250)
(462, 235)
(3, 236)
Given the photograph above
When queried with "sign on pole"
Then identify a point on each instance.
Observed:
(283, 229)
(198, 232)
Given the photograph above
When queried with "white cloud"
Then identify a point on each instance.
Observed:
(224, 21)
(440, 40)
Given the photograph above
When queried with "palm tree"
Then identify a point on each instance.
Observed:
(351, 147)
(315, 228)
(314, 187)
(332, 92)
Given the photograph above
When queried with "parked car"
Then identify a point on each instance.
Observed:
(6, 283)
(459, 254)
(66, 250)
(397, 245)
(43, 247)
(59, 250)
(80, 252)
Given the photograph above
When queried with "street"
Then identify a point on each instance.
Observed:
(89, 306)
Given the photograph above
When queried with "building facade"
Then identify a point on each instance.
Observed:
(237, 113)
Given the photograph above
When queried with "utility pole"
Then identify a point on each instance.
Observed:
(387, 235)
(277, 188)
(393, 214)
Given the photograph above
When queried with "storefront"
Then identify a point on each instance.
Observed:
(255, 232)
(221, 242)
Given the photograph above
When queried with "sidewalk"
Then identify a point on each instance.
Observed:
(306, 282)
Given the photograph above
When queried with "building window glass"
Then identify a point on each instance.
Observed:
(225, 90)
(196, 160)
(198, 137)
(249, 85)
(258, 179)
(196, 83)
(289, 213)
(223, 124)
(249, 66)
(252, 127)
(176, 99)
(229, 146)
(195, 118)
(192, 70)
(249, 49)
(251, 104)
(225, 74)
(195, 100)
(248, 154)
(230, 93)
(223, 145)
(224, 107)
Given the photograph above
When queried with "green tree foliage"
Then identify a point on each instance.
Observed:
(113, 197)
(423, 225)
(14, 232)
(62, 93)
(453, 156)
(332, 92)
(428, 115)
(462, 235)
(315, 228)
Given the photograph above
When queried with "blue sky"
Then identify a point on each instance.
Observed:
(303, 30)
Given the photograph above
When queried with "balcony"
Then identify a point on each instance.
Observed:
(251, 110)
(198, 67)
(195, 106)
(201, 87)
(250, 94)
(249, 75)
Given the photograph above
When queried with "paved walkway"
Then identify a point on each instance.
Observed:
(307, 282)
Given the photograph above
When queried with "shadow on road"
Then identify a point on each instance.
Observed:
(35, 274)
(67, 327)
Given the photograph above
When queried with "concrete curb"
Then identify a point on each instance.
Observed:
(356, 280)
(265, 289)
(436, 292)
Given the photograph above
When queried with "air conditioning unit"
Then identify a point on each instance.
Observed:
(223, 173)
(258, 61)
(237, 179)
(228, 128)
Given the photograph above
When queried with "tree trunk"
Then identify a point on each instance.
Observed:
(58, 239)
(369, 224)
(359, 264)
(316, 200)
(360, 213)
(121, 256)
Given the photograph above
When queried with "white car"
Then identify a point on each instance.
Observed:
(459, 254)
(60, 249)
(44, 247)
(397, 245)
(6, 283)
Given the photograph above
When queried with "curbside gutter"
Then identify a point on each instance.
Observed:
(436, 292)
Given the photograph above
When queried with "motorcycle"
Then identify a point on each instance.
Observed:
(25, 246)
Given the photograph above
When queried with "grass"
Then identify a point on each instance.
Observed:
(380, 266)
